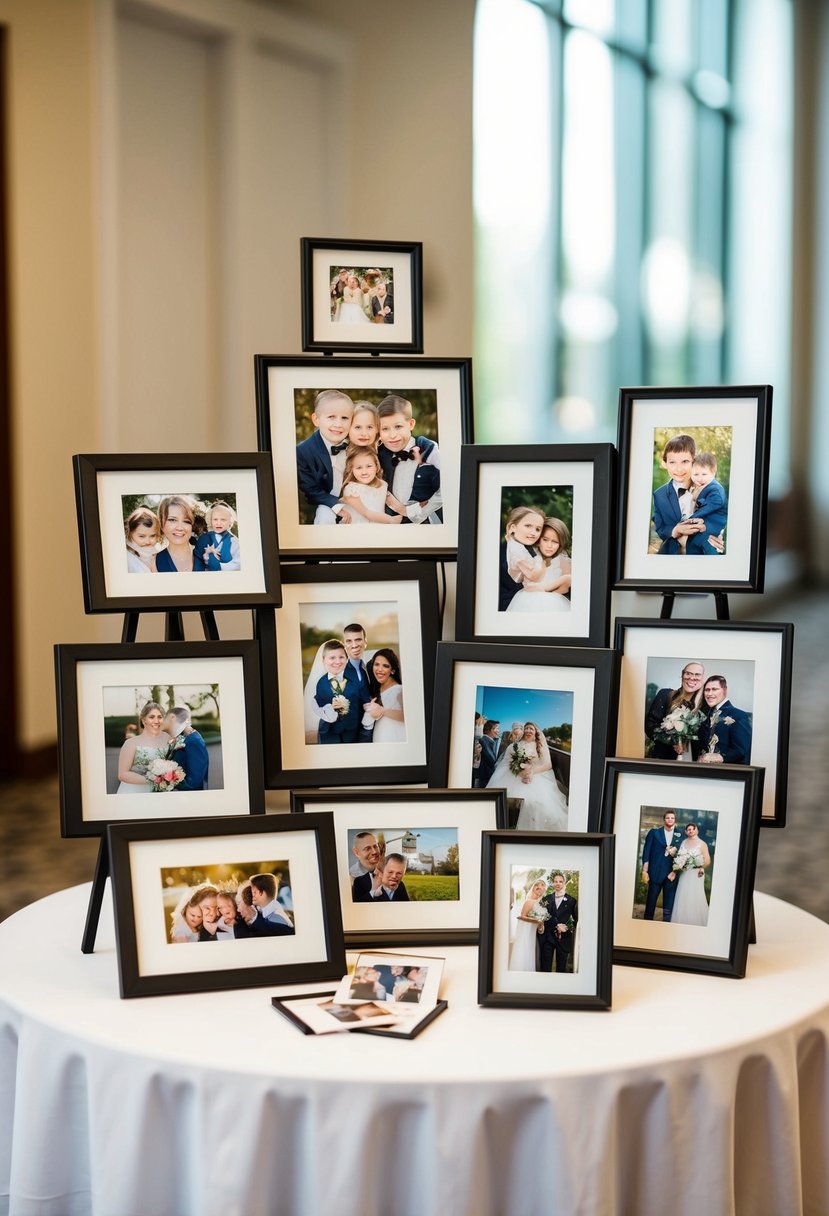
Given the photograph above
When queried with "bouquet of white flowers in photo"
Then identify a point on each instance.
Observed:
(164, 774)
(688, 861)
(538, 913)
(340, 701)
(680, 726)
(519, 761)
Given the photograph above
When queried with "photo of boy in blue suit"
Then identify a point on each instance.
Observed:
(320, 459)
(710, 505)
(410, 464)
(340, 697)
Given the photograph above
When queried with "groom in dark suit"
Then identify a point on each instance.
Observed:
(661, 845)
(558, 935)
(489, 751)
(190, 749)
(725, 735)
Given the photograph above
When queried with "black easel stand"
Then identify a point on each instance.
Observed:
(96, 897)
(720, 605)
(173, 627)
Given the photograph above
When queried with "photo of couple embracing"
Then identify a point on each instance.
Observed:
(160, 739)
(544, 920)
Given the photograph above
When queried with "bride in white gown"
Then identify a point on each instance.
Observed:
(387, 705)
(351, 310)
(691, 862)
(525, 771)
(522, 955)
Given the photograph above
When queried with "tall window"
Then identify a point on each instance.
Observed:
(633, 207)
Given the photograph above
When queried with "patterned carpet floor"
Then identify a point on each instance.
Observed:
(792, 862)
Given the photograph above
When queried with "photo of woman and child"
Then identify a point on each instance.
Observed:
(359, 460)
(690, 507)
(181, 533)
(535, 568)
(161, 739)
(224, 903)
(362, 296)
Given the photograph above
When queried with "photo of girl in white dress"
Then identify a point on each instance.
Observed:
(535, 564)
(364, 491)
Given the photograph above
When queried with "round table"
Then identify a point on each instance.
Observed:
(694, 1095)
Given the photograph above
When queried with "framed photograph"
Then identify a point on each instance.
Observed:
(370, 446)
(181, 721)
(534, 721)
(686, 851)
(362, 295)
(709, 693)
(348, 660)
(694, 471)
(318, 1013)
(546, 920)
(534, 554)
(409, 861)
(262, 889)
(175, 518)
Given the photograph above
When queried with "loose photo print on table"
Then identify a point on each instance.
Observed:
(392, 979)
(409, 861)
(370, 448)
(359, 295)
(347, 673)
(546, 920)
(529, 720)
(176, 515)
(264, 885)
(181, 722)
(708, 693)
(534, 550)
(686, 854)
(693, 484)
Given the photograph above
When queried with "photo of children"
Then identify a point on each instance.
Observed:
(675, 865)
(162, 738)
(544, 918)
(181, 533)
(403, 864)
(351, 672)
(367, 456)
(700, 710)
(535, 565)
(524, 748)
(362, 295)
(223, 903)
(388, 983)
(691, 473)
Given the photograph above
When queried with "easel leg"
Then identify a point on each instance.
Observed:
(208, 624)
(129, 629)
(721, 604)
(96, 897)
(752, 927)
(666, 611)
(174, 628)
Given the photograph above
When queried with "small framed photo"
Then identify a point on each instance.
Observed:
(409, 861)
(319, 1013)
(260, 889)
(534, 557)
(546, 920)
(347, 674)
(175, 518)
(158, 731)
(686, 851)
(369, 447)
(362, 295)
(694, 470)
(709, 693)
(534, 721)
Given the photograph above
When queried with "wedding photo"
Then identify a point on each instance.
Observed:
(227, 902)
(675, 865)
(162, 738)
(690, 486)
(403, 864)
(362, 295)
(535, 563)
(522, 744)
(699, 710)
(544, 918)
(181, 533)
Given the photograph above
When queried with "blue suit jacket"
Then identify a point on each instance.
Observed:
(426, 479)
(222, 543)
(315, 473)
(358, 694)
(733, 737)
(712, 507)
(653, 854)
(194, 760)
(361, 892)
(489, 756)
(666, 515)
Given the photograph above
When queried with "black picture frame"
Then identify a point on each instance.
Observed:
(287, 1007)
(504, 978)
(728, 797)
(89, 679)
(420, 818)
(754, 658)
(140, 851)
(576, 480)
(286, 386)
(734, 423)
(398, 264)
(104, 483)
(524, 677)
(402, 598)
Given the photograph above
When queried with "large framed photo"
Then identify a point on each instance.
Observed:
(686, 851)
(534, 554)
(694, 469)
(262, 889)
(157, 731)
(409, 861)
(709, 693)
(546, 920)
(347, 674)
(362, 295)
(369, 447)
(534, 721)
(176, 518)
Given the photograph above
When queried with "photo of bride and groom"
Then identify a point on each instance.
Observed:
(529, 758)
(544, 918)
(162, 738)
(227, 902)
(535, 563)
(675, 865)
(352, 690)
(362, 295)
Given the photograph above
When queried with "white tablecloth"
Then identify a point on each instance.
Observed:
(694, 1095)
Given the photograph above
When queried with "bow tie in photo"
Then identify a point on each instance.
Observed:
(339, 447)
(398, 456)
